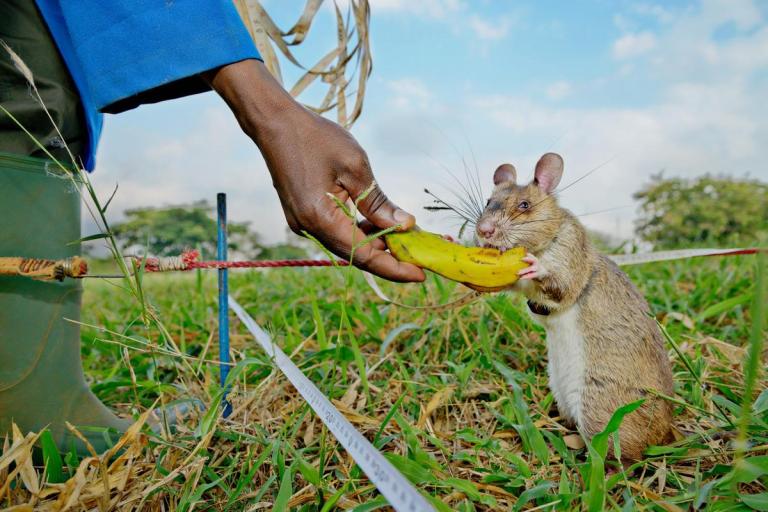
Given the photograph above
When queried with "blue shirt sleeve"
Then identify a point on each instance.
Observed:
(124, 53)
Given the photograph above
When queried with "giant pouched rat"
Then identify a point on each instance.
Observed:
(604, 349)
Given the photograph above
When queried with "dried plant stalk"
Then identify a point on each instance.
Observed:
(334, 70)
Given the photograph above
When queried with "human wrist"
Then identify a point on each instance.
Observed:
(259, 102)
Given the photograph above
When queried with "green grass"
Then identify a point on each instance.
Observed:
(457, 400)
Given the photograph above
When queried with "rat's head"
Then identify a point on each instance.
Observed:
(522, 215)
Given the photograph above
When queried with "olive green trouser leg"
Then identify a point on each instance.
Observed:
(41, 375)
(23, 29)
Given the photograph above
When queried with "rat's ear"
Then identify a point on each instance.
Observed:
(549, 170)
(505, 172)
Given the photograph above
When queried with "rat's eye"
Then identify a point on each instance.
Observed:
(487, 203)
(524, 205)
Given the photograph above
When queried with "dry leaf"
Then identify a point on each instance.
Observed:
(301, 27)
(309, 432)
(684, 319)
(669, 507)
(19, 64)
(437, 400)
(19, 508)
(574, 441)
(352, 46)
(24, 463)
(354, 417)
(734, 354)
(350, 396)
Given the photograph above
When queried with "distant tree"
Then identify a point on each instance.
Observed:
(604, 242)
(719, 211)
(169, 231)
(283, 252)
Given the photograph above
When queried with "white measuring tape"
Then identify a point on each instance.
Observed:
(680, 254)
(400, 493)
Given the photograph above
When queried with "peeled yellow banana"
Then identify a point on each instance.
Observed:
(482, 269)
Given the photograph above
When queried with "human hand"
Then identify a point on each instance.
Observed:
(534, 270)
(308, 157)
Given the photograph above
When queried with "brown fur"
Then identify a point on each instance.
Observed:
(624, 349)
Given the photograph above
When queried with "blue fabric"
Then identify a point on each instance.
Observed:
(123, 53)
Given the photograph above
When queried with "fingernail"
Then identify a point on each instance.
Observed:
(402, 216)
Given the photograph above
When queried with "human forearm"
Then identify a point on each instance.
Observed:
(310, 158)
(258, 101)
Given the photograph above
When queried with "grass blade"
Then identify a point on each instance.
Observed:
(54, 465)
(286, 490)
(752, 362)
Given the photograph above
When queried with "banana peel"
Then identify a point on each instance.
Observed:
(482, 269)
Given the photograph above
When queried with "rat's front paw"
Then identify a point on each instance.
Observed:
(534, 270)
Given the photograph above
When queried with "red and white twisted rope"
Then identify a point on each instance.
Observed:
(189, 260)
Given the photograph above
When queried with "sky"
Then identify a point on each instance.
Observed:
(629, 88)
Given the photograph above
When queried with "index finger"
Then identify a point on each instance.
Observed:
(339, 237)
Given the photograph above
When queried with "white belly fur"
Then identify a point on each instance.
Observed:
(565, 348)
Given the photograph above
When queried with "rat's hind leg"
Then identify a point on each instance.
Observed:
(649, 425)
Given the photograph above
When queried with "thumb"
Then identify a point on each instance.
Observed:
(383, 213)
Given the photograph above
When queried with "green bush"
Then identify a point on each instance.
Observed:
(171, 230)
(717, 211)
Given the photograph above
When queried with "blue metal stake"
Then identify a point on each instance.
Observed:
(221, 210)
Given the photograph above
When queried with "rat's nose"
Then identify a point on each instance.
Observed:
(486, 228)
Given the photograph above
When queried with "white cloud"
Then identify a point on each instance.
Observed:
(690, 48)
(744, 13)
(660, 13)
(409, 93)
(622, 22)
(633, 45)
(697, 128)
(185, 162)
(489, 30)
(559, 90)
(711, 117)
(459, 15)
(437, 9)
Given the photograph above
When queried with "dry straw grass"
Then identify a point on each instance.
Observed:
(454, 431)
(458, 399)
(346, 66)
